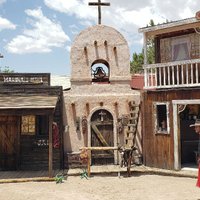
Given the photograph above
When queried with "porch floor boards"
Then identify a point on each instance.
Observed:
(9, 176)
(27, 174)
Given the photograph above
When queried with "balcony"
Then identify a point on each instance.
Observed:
(176, 74)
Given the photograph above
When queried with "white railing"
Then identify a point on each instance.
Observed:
(172, 74)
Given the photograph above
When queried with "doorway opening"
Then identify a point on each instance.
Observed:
(188, 138)
(102, 135)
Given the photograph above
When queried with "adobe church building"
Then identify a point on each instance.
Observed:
(100, 102)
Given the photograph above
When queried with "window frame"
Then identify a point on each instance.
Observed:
(38, 125)
(181, 40)
(28, 123)
(156, 120)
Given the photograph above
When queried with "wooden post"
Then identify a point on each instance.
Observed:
(89, 158)
(89, 149)
(50, 147)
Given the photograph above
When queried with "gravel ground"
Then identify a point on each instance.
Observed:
(141, 187)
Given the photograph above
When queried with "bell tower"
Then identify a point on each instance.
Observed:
(100, 93)
(105, 49)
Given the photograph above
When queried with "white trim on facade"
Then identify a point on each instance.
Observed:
(175, 103)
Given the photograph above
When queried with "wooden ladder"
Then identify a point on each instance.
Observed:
(130, 132)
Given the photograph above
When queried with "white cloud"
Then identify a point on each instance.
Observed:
(6, 24)
(78, 8)
(2, 1)
(125, 15)
(68, 48)
(44, 35)
(74, 29)
(178, 9)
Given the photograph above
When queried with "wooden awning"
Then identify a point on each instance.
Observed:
(28, 102)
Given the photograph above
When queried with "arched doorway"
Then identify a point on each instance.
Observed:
(102, 134)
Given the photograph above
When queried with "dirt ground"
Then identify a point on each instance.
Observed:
(140, 187)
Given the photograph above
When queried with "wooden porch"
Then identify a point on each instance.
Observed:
(26, 176)
(176, 74)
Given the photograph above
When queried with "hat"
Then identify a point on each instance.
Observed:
(197, 123)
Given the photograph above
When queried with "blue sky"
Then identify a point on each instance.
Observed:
(36, 35)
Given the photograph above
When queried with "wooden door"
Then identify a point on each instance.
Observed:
(8, 142)
(101, 136)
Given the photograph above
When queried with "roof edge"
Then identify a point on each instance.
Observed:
(168, 25)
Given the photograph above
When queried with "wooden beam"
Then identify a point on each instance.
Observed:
(99, 148)
(50, 147)
(89, 149)
(99, 135)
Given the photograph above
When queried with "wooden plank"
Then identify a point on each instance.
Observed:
(50, 147)
(99, 148)
(99, 135)
(7, 139)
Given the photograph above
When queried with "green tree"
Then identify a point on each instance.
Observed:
(137, 62)
(138, 59)
(6, 69)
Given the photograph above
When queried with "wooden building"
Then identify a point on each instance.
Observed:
(30, 123)
(171, 99)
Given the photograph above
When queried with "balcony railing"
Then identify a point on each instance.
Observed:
(172, 74)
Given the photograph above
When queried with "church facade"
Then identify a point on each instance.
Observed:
(98, 105)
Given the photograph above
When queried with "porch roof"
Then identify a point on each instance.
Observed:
(171, 26)
(28, 102)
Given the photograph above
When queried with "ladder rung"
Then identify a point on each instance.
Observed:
(134, 131)
(129, 138)
(131, 125)
(134, 112)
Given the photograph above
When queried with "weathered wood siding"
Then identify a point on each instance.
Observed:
(25, 144)
(9, 139)
(158, 149)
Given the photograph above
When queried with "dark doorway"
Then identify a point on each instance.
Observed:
(102, 136)
(189, 139)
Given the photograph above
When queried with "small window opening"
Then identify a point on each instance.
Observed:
(100, 72)
(161, 118)
(34, 125)
(42, 125)
(28, 124)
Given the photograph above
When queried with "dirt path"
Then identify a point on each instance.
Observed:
(144, 187)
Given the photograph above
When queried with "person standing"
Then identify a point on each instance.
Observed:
(196, 126)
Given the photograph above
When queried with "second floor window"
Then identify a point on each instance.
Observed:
(180, 49)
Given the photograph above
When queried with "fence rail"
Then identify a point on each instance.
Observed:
(172, 74)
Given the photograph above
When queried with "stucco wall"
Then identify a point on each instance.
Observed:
(85, 97)
(107, 38)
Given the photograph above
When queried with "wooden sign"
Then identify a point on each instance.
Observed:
(24, 79)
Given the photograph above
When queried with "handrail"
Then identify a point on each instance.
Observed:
(185, 73)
